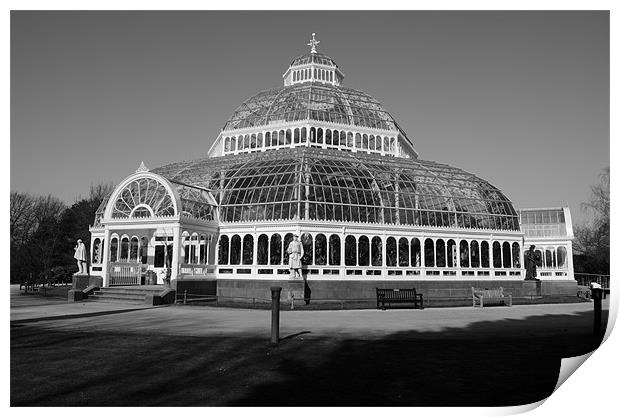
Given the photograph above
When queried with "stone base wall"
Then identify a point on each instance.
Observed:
(366, 289)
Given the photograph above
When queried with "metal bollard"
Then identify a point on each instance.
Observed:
(185, 297)
(597, 296)
(275, 314)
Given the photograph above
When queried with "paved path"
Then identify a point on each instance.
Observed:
(517, 321)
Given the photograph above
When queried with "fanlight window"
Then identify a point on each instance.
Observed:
(140, 195)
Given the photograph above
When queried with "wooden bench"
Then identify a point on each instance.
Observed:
(397, 296)
(481, 296)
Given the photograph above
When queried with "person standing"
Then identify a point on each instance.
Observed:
(295, 253)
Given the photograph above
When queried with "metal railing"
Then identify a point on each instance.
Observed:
(125, 273)
(587, 279)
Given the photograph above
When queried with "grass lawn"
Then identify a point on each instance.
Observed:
(63, 367)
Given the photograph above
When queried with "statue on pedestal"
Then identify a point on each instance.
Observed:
(81, 258)
(530, 264)
(296, 252)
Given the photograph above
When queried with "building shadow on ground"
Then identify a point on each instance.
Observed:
(489, 363)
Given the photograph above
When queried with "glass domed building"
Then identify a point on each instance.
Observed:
(329, 163)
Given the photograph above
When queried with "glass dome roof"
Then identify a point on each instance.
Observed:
(313, 58)
(312, 101)
(330, 185)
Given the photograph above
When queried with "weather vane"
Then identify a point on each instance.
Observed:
(313, 43)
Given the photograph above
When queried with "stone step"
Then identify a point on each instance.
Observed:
(128, 295)
(101, 299)
(117, 295)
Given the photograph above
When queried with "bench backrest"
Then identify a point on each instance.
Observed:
(396, 293)
(486, 293)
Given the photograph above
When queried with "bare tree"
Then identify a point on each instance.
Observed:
(22, 206)
(592, 238)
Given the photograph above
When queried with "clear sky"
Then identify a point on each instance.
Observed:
(520, 99)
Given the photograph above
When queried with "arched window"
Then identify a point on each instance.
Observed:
(549, 258)
(296, 135)
(320, 250)
(304, 135)
(561, 257)
(343, 138)
(124, 249)
(248, 250)
(516, 255)
(235, 250)
(233, 143)
(193, 255)
(262, 251)
(227, 144)
(371, 142)
(114, 249)
(288, 238)
(133, 249)
(429, 253)
(392, 145)
(378, 143)
(415, 252)
(391, 252)
(358, 141)
(259, 140)
(363, 251)
(334, 250)
(289, 137)
(386, 144)
(253, 141)
(484, 254)
(507, 255)
(328, 137)
(275, 246)
(312, 135)
(246, 142)
(223, 250)
(185, 240)
(452, 254)
(497, 255)
(139, 194)
(403, 252)
(281, 137)
(203, 250)
(319, 135)
(365, 145)
(349, 139)
(475, 255)
(335, 140)
(96, 255)
(268, 139)
(350, 251)
(306, 241)
(464, 253)
(440, 251)
(315, 74)
(376, 254)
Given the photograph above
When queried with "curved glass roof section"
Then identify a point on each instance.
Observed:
(312, 101)
(313, 58)
(329, 185)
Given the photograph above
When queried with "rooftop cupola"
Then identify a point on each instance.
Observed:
(313, 67)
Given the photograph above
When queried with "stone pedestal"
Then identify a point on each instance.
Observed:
(531, 288)
(75, 296)
(80, 281)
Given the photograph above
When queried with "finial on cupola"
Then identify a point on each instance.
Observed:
(313, 43)
(142, 168)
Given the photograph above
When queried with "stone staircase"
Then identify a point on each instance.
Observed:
(137, 295)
